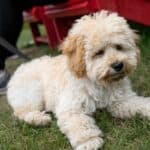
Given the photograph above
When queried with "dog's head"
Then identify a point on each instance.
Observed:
(101, 47)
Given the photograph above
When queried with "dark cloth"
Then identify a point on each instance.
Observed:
(11, 21)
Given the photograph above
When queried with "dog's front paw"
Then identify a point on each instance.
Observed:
(91, 144)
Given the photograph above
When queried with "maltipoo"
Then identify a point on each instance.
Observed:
(92, 73)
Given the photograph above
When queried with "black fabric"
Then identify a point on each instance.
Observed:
(10, 26)
(11, 21)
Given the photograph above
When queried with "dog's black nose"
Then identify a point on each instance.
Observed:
(117, 66)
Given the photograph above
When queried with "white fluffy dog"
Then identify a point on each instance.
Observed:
(98, 54)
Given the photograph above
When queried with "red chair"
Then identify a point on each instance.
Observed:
(58, 19)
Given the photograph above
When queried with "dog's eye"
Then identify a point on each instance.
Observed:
(118, 47)
(99, 53)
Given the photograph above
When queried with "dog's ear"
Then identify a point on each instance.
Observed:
(73, 47)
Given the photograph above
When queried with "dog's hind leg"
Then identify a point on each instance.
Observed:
(38, 118)
(27, 101)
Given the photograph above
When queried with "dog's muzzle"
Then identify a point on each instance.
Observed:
(116, 72)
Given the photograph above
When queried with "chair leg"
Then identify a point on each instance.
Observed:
(35, 32)
(50, 27)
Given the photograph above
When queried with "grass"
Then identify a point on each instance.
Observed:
(132, 134)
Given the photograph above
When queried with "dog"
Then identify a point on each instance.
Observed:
(99, 53)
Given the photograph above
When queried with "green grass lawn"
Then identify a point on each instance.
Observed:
(133, 134)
